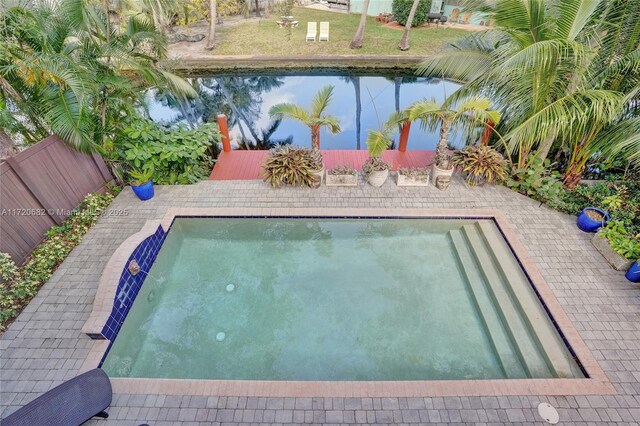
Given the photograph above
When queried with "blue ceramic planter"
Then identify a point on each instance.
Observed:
(144, 191)
(633, 274)
(586, 224)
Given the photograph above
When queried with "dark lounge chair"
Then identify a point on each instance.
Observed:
(72, 403)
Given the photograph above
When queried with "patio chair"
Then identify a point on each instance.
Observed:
(324, 31)
(71, 403)
(312, 30)
(466, 17)
(455, 15)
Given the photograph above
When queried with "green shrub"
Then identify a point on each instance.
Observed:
(537, 181)
(19, 284)
(401, 9)
(177, 156)
(621, 241)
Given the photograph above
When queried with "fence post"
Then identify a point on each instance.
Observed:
(404, 136)
(224, 130)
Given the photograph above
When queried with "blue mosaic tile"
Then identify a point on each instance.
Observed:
(129, 285)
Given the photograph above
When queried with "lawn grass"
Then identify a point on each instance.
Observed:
(265, 38)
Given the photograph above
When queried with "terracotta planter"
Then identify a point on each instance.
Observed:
(403, 180)
(377, 178)
(341, 180)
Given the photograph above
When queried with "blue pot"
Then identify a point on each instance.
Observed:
(586, 224)
(633, 274)
(144, 191)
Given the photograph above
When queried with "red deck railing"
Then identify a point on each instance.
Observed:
(245, 165)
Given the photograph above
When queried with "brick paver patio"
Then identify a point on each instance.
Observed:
(45, 346)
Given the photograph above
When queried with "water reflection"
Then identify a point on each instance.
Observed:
(361, 102)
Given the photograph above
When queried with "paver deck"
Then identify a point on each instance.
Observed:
(245, 165)
(45, 346)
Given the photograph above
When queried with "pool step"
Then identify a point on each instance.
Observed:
(500, 338)
(534, 313)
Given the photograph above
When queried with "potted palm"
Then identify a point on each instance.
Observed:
(480, 164)
(468, 115)
(314, 119)
(342, 176)
(141, 183)
(375, 168)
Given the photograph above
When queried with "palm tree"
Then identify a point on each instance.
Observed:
(213, 16)
(314, 119)
(469, 115)
(358, 38)
(564, 72)
(79, 76)
(404, 41)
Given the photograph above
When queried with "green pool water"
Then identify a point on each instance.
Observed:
(337, 299)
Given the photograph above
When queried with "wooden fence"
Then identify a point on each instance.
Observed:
(39, 187)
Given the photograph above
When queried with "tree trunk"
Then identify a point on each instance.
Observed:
(356, 43)
(7, 147)
(258, 8)
(404, 41)
(545, 147)
(315, 137)
(213, 17)
(397, 82)
(442, 151)
(356, 86)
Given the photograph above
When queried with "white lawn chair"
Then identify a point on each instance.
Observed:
(312, 29)
(324, 31)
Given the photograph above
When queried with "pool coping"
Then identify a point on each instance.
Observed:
(596, 384)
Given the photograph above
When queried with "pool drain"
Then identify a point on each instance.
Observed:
(220, 336)
(230, 288)
(548, 413)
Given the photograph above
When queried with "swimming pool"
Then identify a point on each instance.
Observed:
(336, 299)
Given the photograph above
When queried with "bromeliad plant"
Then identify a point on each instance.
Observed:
(481, 164)
(314, 119)
(292, 165)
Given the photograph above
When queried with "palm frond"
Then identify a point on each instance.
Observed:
(574, 114)
(289, 110)
(321, 101)
(621, 139)
(573, 16)
(333, 123)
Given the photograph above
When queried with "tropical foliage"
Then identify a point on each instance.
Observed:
(175, 156)
(481, 164)
(564, 74)
(19, 284)
(67, 69)
(315, 119)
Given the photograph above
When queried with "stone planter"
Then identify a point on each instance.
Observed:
(437, 171)
(320, 174)
(618, 262)
(377, 178)
(341, 180)
(402, 180)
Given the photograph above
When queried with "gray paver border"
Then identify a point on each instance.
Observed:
(596, 384)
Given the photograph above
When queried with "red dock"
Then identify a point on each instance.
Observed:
(245, 165)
